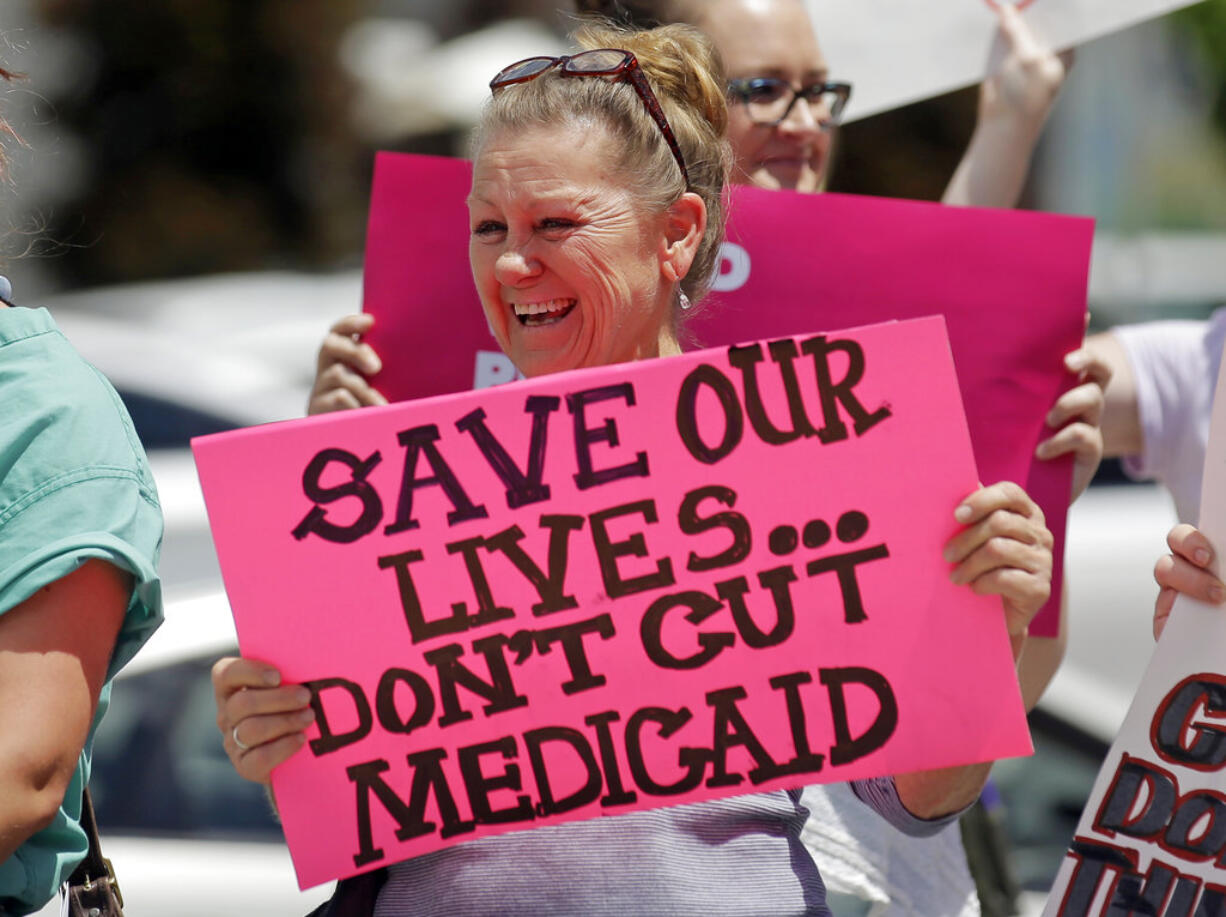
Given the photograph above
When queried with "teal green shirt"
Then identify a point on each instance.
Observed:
(74, 485)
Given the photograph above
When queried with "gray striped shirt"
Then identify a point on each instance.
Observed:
(734, 857)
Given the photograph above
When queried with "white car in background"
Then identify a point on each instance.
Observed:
(198, 356)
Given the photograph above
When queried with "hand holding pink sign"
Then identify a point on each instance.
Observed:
(682, 578)
(615, 589)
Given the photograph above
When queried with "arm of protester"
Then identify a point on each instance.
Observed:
(1013, 105)
(1042, 657)
(1005, 550)
(1121, 423)
(1077, 418)
(1186, 569)
(341, 369)
(255, 709)
(55, 648)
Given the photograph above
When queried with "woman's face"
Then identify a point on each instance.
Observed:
(570, 268)
(771, 38)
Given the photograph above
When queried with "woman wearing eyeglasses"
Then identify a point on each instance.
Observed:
(595, 215)
(785, 105)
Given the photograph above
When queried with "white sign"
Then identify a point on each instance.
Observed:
(1152, 838)
(896, 52)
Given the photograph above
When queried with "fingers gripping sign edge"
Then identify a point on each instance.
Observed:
(1005, 550)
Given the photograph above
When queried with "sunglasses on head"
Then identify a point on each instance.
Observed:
(612, 62)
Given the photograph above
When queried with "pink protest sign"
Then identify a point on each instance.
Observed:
(1011, 285)
(614, 589)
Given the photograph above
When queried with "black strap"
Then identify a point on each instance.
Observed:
(353, 897)
(93, 866)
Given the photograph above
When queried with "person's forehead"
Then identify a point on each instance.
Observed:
(767, 37)
(545, 161)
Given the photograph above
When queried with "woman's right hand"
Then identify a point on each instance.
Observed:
(267, 717)
(1003, 549)
(343, 366)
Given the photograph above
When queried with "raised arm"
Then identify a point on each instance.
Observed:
(55, 648)
(1013, 105)
(1043, 656)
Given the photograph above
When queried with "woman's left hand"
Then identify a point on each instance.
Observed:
(1005, 550)
(1077, 418)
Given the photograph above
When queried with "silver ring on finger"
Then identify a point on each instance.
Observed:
(242, 746)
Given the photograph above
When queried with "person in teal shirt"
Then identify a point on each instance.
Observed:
(80, 533)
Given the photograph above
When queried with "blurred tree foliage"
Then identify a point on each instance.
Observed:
(1205, 24)
(216, 134)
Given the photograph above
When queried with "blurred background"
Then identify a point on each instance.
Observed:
(155, 130)
(191, 203)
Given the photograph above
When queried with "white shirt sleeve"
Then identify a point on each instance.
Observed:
(1175, 366)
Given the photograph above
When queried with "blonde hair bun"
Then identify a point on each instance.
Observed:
(680, 61)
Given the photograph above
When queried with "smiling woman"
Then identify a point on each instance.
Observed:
(575, 264)
(569, 269)
(773, 41)
(590, 231)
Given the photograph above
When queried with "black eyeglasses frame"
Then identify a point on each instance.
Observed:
(740, 89)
